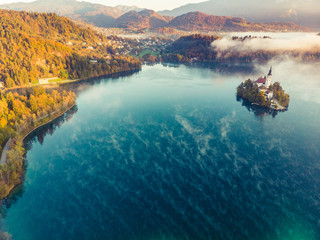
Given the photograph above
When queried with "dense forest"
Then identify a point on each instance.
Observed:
(43, 45)
(279, 94)
(18, 115)
(188, 48)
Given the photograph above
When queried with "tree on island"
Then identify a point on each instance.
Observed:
(279, 94)
(250, 91)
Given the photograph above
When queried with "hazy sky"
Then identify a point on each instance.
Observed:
(152, 4)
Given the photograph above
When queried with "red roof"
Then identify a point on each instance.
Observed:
(263, 88)
(261, 80)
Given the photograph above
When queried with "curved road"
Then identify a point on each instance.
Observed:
(4, 152)
(6, 148)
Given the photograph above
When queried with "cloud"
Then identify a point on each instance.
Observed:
(278, 42)
(299, 79)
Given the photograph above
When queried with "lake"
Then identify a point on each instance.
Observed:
(170, 153)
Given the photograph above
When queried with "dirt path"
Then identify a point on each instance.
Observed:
(279, 105)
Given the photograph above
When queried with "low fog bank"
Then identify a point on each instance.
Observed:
(277, 42)
(300, 80)
(299, 76)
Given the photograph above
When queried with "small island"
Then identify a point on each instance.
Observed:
(263, 93)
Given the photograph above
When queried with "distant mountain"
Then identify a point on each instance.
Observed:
(125, 8)
(168, 18)
(123, 16)
(194, 21)
(301, 12)
(200, 21)
(96, 14)
(141, 20)
(197, 21)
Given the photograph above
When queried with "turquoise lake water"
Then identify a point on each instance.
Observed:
(169, 153)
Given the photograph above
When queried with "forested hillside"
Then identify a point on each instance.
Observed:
(141, 20)
(41, 45)
(193, 46)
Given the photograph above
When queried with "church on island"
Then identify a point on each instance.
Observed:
(264, 93)
(264, 84)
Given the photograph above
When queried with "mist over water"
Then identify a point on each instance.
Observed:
(169, 153)
(275, 42)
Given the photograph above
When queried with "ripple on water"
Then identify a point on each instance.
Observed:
(165, 161)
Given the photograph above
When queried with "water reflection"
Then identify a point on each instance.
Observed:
(82, 85)
(40, 134)
(224, 69)
(48, 129)
(37, 136)
(257, 110)
(170, 154)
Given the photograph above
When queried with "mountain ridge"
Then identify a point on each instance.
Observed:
(123, 17)
(143, 19)
(193, 21)
(301, 12)
(197, 21)
(96, 14)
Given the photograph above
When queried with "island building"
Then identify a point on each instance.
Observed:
(264, 83)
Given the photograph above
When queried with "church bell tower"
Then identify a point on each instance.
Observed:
(269, 78)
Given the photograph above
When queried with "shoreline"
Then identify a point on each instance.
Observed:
(69, 81)
(54, 118)
(283, 109)
(55, 84)
(24, 137)
(265, 107)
